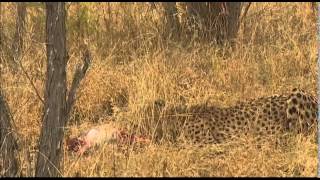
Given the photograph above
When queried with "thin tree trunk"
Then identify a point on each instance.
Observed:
(214, 20)
(17, 43)
(314, 7)
(1, 42)
(9, 164)
(195, 13)
(54, 114)
(172, 24)
(56, 107)
(1, 31)
(8, 145)
(233, 19)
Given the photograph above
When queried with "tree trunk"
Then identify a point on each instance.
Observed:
(9, 164)
(54, 114)
(314, 7)
(233, 17)
(8, 144)
(217, 21)
(172, 24)
(195, 13)
(56, 107)
(1, 38)
(1, 42)
(17, 43)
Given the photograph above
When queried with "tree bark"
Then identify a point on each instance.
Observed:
(233, 19)
(196, 11)
(9, 164)
(8, 144)
(314, 7)
(54, 114)
(214, 20)
(172, 24)
(1, 31)
(17, 43)
(1, 41)
(56, 107)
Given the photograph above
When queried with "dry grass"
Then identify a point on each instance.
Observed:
(132, 66)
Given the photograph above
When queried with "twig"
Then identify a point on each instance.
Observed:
(31, 82)
(26, 74)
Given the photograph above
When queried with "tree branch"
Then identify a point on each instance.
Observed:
(31, 82)
(245, 12)
(78, 76)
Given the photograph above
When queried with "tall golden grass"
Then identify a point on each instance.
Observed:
(132, 66)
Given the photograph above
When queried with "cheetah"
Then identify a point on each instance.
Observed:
(292, 112)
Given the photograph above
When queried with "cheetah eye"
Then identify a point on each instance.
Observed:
(299, 95)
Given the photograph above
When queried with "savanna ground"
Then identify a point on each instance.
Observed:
(132, 67)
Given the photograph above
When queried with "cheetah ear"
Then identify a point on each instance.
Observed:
(295, 89)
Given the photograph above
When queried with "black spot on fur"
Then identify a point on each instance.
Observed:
(301, 106)
(295, 101)
(301, 116)
(314, 115)
(304, 98)
(275, 112)
(307, 114)
(292, 110)
(308, 106)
